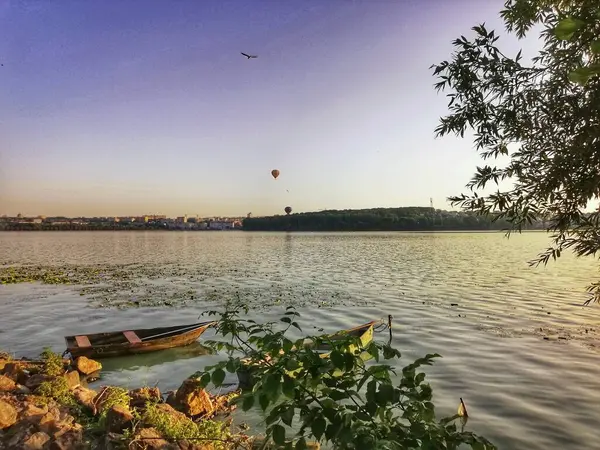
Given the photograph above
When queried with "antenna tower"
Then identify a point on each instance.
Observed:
(431, 202)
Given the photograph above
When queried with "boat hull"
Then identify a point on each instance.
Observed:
(106, 345)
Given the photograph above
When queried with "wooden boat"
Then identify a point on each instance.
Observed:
(364, 332)
(118, 343)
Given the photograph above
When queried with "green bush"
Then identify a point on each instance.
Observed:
(340, 399)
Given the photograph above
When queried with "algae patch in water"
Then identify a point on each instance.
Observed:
(176, 285)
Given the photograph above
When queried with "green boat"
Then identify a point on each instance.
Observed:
(364, 332)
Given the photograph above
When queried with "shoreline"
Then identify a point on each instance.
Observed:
(47, 403)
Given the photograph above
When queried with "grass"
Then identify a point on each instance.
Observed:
(181, 427)
(53, 363)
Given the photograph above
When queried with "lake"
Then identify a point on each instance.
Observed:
(517, 345)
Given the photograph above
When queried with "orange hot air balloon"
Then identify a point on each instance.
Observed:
(288, 210)
(275, 173)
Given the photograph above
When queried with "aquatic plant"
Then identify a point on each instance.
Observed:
(342, 399)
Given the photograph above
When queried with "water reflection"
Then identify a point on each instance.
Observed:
(131, 362)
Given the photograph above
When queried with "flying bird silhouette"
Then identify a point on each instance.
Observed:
(249, 56)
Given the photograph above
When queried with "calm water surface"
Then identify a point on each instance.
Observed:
(468, 296)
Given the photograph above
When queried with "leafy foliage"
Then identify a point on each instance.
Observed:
(53, 363)
(180, 427)
(343, 399)
(377, 219)
(543, 117)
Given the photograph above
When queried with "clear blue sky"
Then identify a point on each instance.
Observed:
(133, 107)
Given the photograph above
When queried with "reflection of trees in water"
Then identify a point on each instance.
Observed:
(130, 362)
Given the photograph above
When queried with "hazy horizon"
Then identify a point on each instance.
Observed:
(118, 108)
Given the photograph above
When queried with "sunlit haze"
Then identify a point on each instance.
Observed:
(130, 107)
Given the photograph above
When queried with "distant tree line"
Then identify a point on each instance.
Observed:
(380, 219)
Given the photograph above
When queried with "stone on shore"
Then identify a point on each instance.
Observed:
(7, 384)
(85, 397)
(32, 413)
(139, 397)
(72, 379)
(118, 418)
(193, 399)
(36, 441)
(150, 439)
(87, 366)
(14, 371)
(34, 381)
(8, 415)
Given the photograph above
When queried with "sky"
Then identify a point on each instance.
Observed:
(130, 107)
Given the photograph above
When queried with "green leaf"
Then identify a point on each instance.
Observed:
(318, 427)
(286, 320)
(566, 28)
(595, 48)
(218, 376)
(581, 75)
(291, 364)
(204, 380)
(337, 395)
(288, 387)
(264, 401)
(278, 434)
(295, 324)
(385, 394)
(349, 360)
(248, 403)
(231, 366)
(272, 383)
(337, 358)
(288, 415)
(301, 444)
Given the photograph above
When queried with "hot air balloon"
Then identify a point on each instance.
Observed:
(275, 173)
(288, 210)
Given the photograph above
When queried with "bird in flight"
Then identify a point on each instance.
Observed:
(249, 56)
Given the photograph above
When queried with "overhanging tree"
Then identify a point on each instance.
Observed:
(542, 116)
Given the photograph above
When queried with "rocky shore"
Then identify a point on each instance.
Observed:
(47, 404)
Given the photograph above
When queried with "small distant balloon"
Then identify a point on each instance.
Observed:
(275, 173)
(288, 210)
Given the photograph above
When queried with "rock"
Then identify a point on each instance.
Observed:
(192, 399)
(20, 389)
(36, 441)
(171, 398)
(34, 381)
(19, 434)
(118, 418)
(70, 440)
(150, 439)
(72, 379)
(85, 397)
(14, 371)
(87, 366)
(3, 362)
(139, 397)
(7, 384)
(32, 413)
(8, 415)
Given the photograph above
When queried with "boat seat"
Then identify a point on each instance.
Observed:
(83, 341)
(132, 337)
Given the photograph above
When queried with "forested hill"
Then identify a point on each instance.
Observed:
(377, 219)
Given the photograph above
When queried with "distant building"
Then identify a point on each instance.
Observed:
(221, 225)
